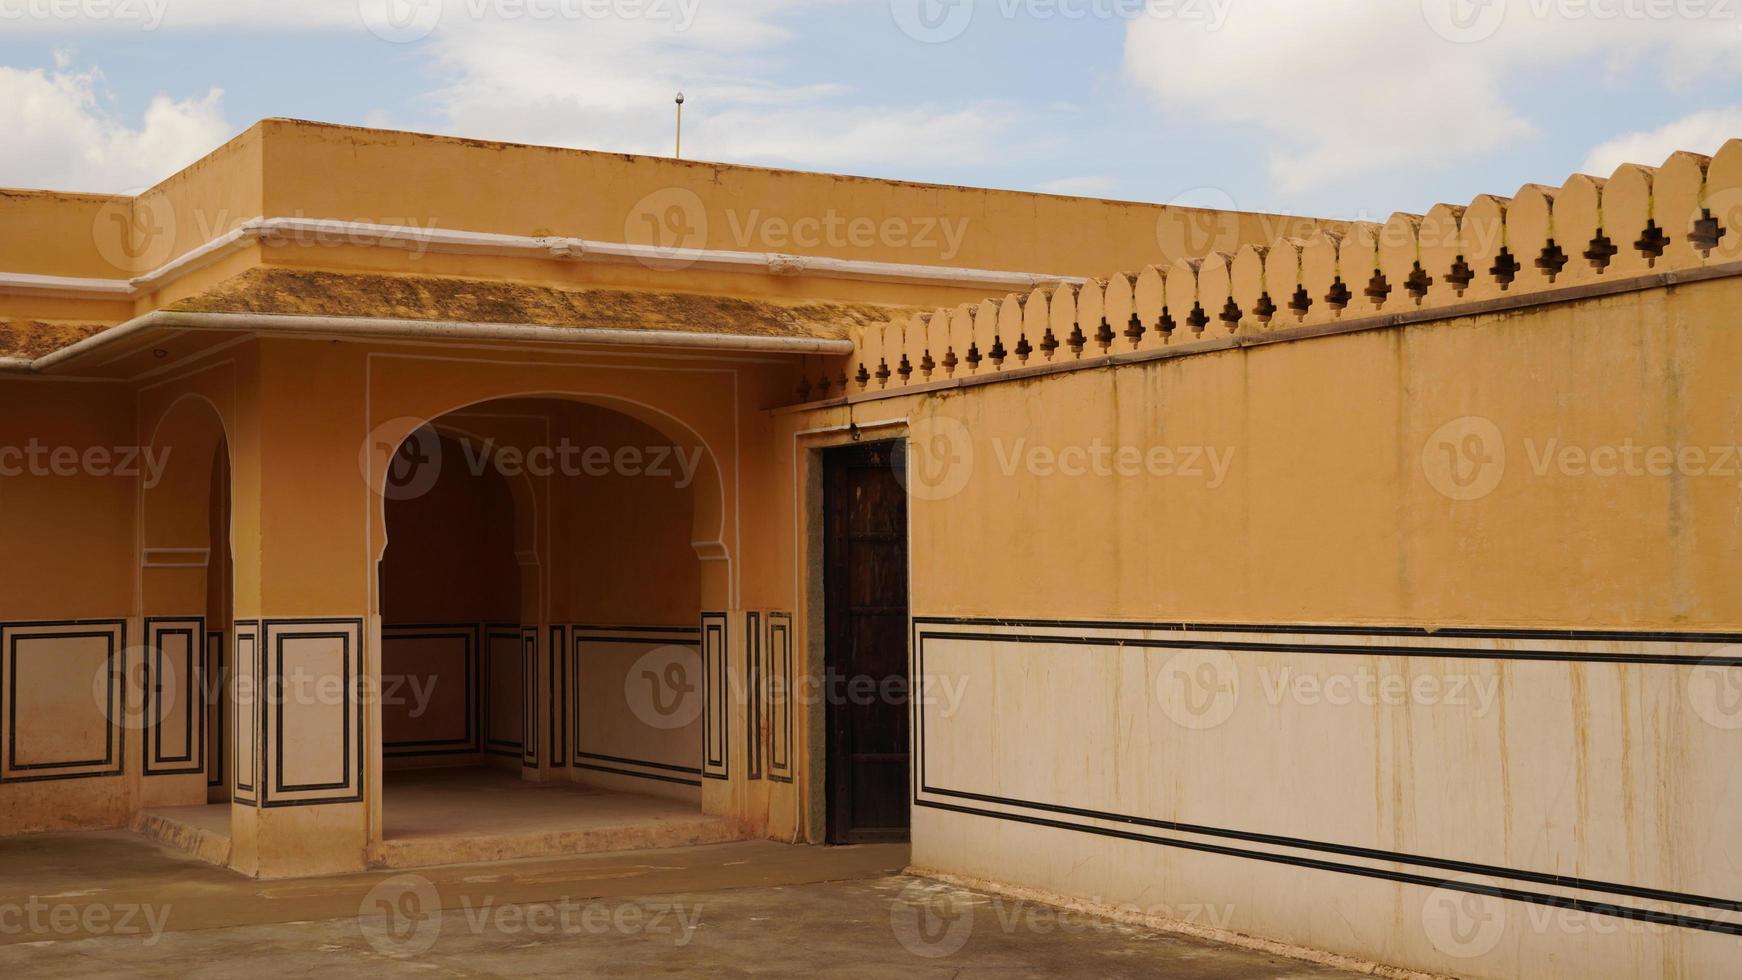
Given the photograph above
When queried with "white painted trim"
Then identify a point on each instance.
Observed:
(65, 287)
(733, 568)
(394, 329)
(424, 329)
(166, 558)
(315, 231)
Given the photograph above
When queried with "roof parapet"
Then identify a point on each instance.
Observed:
(1542, 241)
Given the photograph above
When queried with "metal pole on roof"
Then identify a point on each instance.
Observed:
(679, 153)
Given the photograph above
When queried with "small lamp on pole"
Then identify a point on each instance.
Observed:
(679, 153)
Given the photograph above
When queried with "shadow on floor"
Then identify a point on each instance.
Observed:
(469, 815)
(118, 904)
(85, 874)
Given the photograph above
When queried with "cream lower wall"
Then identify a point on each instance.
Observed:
(1187, 766)
(638, 707)
(64, 747)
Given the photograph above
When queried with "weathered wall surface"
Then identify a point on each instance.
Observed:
(478, 185)
(1468, 629)
(66, 588)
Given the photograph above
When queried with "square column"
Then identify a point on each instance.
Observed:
(307, 790)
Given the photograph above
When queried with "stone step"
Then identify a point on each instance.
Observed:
(182, 829)
(433, 850)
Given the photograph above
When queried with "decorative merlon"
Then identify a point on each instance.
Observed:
(1685, 215)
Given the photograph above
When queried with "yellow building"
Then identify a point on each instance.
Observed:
(1375, 581)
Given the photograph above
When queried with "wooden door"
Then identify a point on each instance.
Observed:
(867, 684)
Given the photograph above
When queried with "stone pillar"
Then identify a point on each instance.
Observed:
(308, 785)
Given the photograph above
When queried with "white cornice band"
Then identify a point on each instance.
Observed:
(391, 329)
(306, 231)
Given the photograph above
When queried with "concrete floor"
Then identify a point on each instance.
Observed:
(472, 815)
(116, 904)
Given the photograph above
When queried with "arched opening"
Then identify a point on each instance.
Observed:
(540, 601)
(188, 595)
(450, 593)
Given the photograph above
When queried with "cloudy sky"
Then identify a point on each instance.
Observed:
(1330, 107)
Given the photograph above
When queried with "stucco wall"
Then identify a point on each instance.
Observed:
(1522, 475)
(69, 540)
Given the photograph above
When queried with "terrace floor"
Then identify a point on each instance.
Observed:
(469, 815)
(119, 904)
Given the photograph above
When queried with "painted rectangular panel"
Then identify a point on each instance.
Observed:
(175, 695)
(429, 700)
(559, 697)
(63, 700)
(503, 691)
(245, 718)
(716, 697)
(777, 696)
(754, 689)
(1590, 771)
(313, 745)
(529, 697)
(216, 674)
(638, 701)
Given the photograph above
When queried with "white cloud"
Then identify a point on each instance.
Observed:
(843, 138)
(63, 133)
(595, 74)
(1339, 88)
(63, 17)
(1702, 132)
(609, 85)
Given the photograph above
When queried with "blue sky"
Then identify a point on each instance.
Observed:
(1333, 107)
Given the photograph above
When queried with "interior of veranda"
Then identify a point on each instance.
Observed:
(539, 579)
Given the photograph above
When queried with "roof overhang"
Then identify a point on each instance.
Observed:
(271, 232)
(288, 302)
(143, 332)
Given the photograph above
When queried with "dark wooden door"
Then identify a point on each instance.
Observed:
(865, 583)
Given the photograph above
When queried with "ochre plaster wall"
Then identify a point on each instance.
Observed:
(1347, 493)
(477, 185)
(69, 538)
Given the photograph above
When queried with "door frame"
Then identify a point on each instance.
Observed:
(833, 796)
(811, 621)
